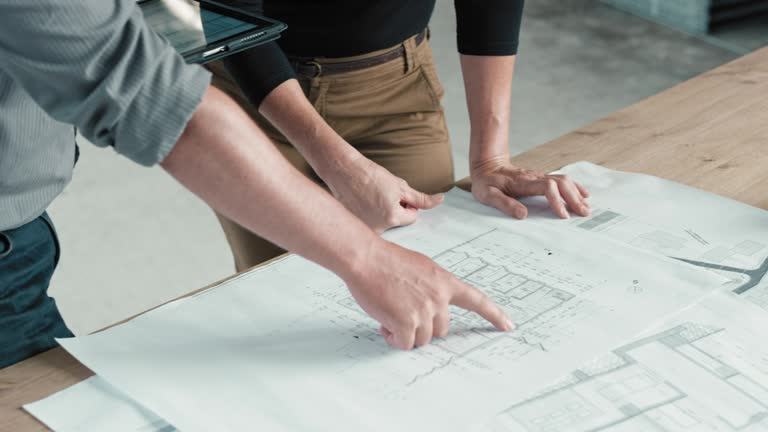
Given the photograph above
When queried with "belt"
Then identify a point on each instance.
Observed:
(310, 67)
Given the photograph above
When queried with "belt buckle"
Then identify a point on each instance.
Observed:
(6, 245)
(318, 68)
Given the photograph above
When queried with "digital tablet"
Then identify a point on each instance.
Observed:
(203, 31)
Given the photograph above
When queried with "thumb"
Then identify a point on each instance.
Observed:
(408, 215)
(422, 201)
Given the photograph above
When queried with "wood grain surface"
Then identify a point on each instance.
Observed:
(710, 132)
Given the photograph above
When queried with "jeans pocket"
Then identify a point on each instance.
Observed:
(47, 219)
(6, 245)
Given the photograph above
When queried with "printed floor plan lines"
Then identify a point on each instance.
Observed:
(292, 331)
(648, 386)
(523, 298)
(746, 262)
(598, 220)
(678, 222)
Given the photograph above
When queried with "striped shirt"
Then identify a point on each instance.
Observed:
(92, 64)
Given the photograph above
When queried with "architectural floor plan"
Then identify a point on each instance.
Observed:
(702, 371)
(679, 222)
(745, 261)
(652, 260)
(292, 329)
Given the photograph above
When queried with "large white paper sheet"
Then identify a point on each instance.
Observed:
(706, 230)
(285, 347)
(706, 369)
(95, 406)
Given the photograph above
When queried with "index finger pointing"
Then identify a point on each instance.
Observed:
(471, 298)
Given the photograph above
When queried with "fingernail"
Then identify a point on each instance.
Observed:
(520, 213)
(510, 325)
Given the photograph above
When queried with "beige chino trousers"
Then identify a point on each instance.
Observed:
(391, 113)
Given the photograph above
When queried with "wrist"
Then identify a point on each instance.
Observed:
(355, 263)
(483, 164)
(488, 147)
(334, 166)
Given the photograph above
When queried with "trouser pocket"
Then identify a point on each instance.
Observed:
(6, 245)
(29, 318)
(54, 236)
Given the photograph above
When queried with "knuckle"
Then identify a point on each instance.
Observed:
(484, 197)
(511, 182)
(411, 321)
(551, 185)
(488, 180)
(391, 220)
(495, 195)
(439, 302)
(443, 300)
(487, 200)
(426, 313)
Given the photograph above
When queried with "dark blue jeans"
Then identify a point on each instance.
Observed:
(29, 319)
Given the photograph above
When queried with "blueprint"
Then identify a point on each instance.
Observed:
(704, 370)
(693, 226)
(285, 347)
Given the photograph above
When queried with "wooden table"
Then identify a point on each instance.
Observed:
(710, 132)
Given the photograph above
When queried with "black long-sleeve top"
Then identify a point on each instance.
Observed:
(342, 28)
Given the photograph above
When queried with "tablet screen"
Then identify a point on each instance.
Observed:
(187, 26)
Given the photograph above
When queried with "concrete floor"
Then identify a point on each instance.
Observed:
(132, 238)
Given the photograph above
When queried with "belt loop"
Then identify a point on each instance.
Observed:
(318, 88)
(318, 68)
(410, 54)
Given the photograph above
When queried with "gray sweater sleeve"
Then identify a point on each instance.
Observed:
(95, 64)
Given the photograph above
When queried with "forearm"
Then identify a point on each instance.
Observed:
(226, 160)
(488, 85)
(495, 180)
(288, 109)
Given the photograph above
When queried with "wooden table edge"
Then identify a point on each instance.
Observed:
(59, 360)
